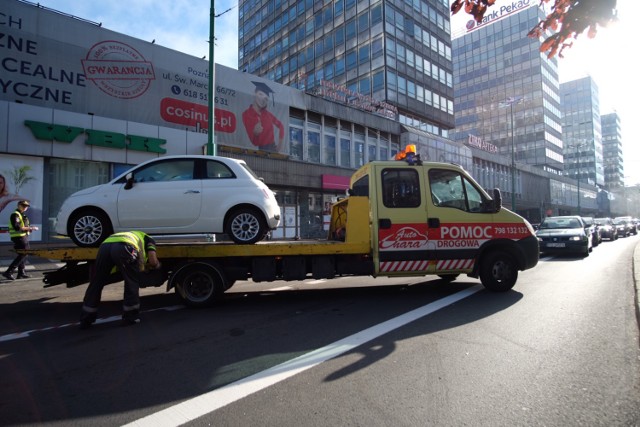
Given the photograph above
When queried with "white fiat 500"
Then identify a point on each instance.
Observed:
(187, 194)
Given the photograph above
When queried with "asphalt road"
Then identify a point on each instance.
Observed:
(560, 349)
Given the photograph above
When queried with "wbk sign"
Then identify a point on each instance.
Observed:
(67, 134)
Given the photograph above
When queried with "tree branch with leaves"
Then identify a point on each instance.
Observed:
(567, 20)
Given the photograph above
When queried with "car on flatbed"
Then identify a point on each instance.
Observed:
(185, 194)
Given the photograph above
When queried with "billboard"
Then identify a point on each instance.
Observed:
(20, 179)
(92, 70)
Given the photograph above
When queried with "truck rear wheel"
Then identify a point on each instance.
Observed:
(498, 271)
(199, 285)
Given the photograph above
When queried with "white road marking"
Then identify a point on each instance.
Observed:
(201, 405)
(281, 288)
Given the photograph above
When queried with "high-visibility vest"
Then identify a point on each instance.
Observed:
(24, 222)
(135, 239)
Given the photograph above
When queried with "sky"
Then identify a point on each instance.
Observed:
(183, 25)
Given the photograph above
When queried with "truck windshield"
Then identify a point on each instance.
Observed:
(451, 189)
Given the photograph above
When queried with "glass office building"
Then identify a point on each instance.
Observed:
(581, 131)
(507, 91)
(396, 51)
(612, 151)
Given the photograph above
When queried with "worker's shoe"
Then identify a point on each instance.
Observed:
(7, 275)
(131, 317)
(23, 275)
(87, 319)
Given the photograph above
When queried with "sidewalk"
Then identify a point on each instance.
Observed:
(33, 263)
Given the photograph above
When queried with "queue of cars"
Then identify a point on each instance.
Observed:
(579, 235)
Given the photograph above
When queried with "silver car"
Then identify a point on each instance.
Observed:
(187, 194)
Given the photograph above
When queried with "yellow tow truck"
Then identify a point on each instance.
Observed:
(399, 218)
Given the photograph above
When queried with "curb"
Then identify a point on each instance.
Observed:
(635, 270)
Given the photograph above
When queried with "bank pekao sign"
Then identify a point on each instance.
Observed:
(463, 23)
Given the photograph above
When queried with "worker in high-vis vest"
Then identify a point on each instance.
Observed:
(19, 230)
(133, 253)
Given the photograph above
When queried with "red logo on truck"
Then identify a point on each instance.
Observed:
(403, 238)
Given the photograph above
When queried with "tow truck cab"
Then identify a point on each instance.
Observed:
(433, 218)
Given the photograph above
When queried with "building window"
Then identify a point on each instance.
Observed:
(351, 29)
(330, 149)
(363, 22)
(363, 54)
(295, 142)
(345, 152)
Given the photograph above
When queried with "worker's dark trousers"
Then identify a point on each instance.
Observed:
(20, 260)
(123, 256)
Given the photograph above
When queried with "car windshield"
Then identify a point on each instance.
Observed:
(602, 222)
(619, 221)
(560, 223)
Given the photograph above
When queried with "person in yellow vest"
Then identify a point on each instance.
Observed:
(133, 253)
(19, 230)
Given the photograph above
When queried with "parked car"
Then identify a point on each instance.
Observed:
(608, 229)
(187, 194)
(629, 226)
(621, 226)
(594, 229)
(564, 234)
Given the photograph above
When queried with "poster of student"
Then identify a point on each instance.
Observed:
(20, 179)
(252, 112)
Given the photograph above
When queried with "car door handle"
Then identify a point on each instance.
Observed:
(192, 192)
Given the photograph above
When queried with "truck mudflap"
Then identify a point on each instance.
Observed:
(530, 250)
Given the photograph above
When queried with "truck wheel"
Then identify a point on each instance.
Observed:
(448, 278)
(199, 285)
(498, 271)
(246, 226)
(89, 228)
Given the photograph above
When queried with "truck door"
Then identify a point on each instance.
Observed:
(456, 206)
(401, 222)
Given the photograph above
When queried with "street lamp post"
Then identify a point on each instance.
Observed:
(509, 103)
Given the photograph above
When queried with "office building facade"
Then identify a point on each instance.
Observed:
(506, 90)
(612, 151)
(393, 51)
(582, 131)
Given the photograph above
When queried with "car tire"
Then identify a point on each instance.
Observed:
(246, 226)
(88, 228)
(498, 271)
